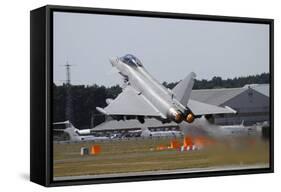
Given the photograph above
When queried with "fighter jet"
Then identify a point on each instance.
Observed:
(144, 97)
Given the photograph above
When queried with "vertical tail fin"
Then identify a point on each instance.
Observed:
(183, 89)
(73, 133)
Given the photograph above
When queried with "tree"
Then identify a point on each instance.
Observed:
(86, 98)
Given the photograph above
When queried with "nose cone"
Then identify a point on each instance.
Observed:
(113, 61)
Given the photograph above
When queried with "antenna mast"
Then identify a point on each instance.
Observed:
(68, 106)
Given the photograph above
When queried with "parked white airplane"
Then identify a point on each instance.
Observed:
(221, 131)
(238, 130)
(76, 134)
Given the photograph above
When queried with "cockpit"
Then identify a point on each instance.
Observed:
(131, 60)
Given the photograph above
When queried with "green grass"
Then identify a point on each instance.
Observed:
(137, 155)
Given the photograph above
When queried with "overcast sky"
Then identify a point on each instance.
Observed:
(168, 48)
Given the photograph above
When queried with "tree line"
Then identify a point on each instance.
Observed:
(85, 98)
(217, 82)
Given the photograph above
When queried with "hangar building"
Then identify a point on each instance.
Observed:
(251, 103)
(114, 126)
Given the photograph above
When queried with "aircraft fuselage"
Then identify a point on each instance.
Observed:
(161, 98)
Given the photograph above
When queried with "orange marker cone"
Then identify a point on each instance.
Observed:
(95, 149)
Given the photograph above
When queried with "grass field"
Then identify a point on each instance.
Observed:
(136, 155)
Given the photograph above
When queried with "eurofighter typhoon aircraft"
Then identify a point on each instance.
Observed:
(144, 97)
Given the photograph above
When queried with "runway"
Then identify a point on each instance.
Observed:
(162, 172)
(138, 157)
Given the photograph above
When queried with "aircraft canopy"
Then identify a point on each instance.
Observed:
(131, 60)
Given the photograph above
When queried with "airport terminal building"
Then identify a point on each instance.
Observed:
(251, 103)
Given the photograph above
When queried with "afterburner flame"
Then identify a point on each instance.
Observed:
(176, 115)
(190, 118)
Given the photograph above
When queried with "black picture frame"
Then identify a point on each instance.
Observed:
(41, 71)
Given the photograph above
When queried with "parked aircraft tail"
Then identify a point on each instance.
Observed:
(69, 129)
(72, 132)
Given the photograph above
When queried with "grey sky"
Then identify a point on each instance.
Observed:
(169, 49)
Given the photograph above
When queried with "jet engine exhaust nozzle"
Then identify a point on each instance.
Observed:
(189, 118)
(176, 115)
